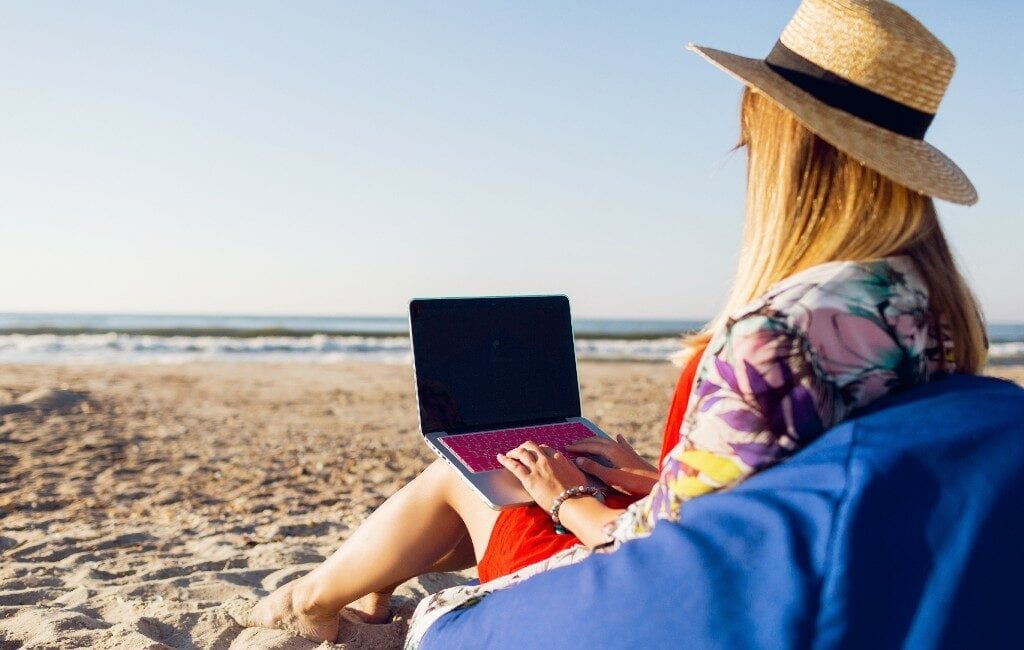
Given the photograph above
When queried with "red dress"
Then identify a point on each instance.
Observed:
(524, 535)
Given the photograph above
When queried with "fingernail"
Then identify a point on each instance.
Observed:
(579, 461)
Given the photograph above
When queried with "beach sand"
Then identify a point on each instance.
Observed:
(142, 505)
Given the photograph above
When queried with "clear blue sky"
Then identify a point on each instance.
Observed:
(342, 157)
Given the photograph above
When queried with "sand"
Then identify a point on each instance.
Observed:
(141, 505)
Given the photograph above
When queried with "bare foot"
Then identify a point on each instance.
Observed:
(372, 608)
(287, 609)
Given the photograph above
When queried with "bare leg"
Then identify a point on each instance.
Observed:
(376, 607)
(422, 525)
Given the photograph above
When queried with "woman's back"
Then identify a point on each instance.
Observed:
(813, 349)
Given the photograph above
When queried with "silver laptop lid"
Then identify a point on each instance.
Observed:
(493, 363)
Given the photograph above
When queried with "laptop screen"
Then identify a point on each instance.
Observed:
(489, 363)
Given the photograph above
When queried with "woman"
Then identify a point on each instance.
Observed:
(846, 291)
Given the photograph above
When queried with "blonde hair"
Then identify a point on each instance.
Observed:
(809, 203)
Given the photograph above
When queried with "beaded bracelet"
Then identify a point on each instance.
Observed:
(578, 491)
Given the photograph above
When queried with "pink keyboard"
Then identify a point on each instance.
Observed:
(478, 451)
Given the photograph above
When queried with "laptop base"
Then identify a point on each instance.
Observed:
(499, 488)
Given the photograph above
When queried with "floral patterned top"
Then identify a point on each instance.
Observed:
(816, 347)
(798, 360)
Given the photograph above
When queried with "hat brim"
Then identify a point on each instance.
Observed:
(908, 161)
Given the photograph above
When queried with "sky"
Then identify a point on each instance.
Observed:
(340, 158)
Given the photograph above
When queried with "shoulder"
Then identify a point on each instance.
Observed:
(825, 300)
(861, 327)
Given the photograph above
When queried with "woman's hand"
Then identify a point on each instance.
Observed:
(629, 473)
(544, 472)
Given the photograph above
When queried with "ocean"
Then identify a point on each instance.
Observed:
(142, 338)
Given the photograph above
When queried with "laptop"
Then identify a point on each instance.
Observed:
(492, 373)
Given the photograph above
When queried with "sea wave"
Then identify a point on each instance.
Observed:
(119, 347)
(1006, 352)
(588, 331)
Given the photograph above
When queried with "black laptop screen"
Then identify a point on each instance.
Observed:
(486, 363)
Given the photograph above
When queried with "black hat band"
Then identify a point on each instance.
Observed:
(839, 93)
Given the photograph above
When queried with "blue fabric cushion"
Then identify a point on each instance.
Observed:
(901, 527)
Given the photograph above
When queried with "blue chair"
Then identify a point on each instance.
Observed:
(903, 527)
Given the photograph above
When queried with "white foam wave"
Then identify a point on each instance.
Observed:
(134, 348)
(1007, 350)
(634, 350)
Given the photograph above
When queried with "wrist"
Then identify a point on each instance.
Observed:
(568, 514)
(587, 518)
(574, 492)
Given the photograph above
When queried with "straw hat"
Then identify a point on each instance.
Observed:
(867, 77)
